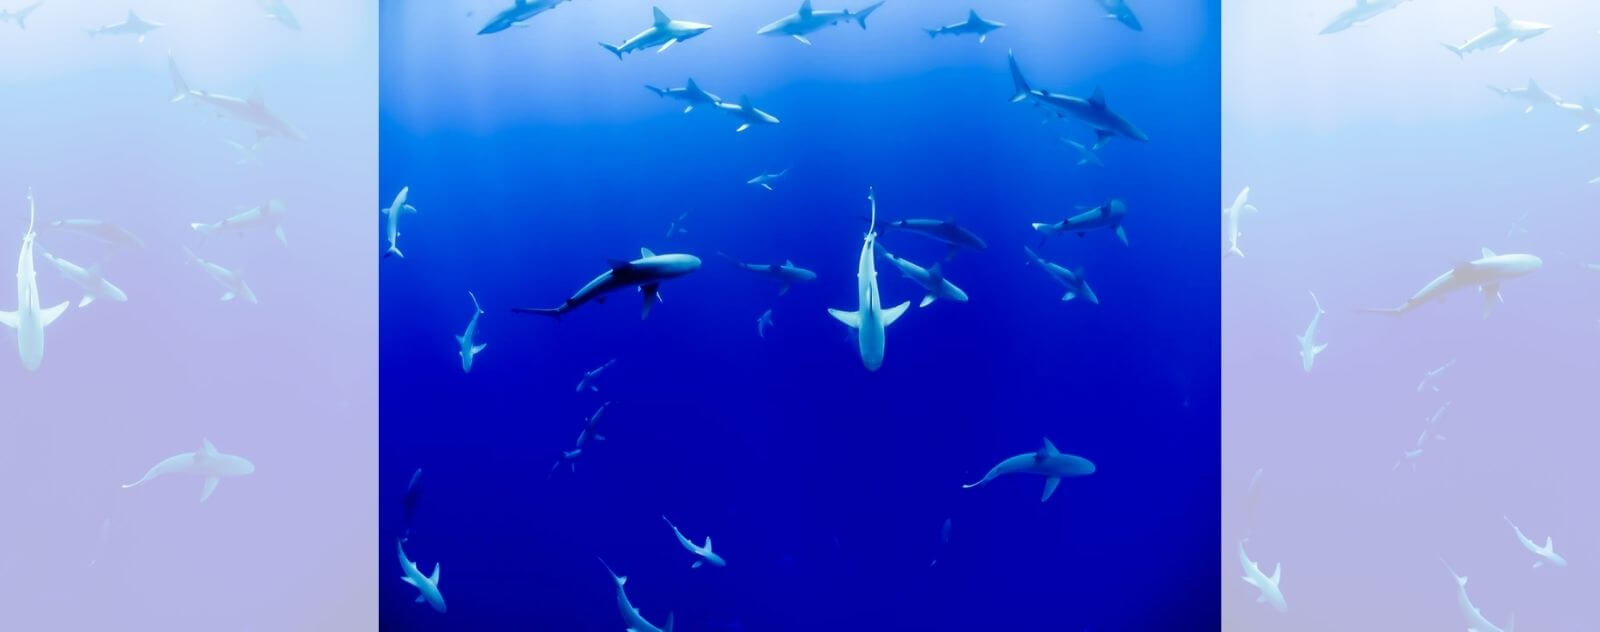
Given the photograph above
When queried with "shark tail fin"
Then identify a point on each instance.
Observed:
(394, 251)
(861, 18)
(1017, 80)
(1460, 54)
(932, 33)
(614, 50)
(659, 91)
(180, 88)
(1234, 251)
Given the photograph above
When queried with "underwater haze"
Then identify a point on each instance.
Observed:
(534, 157)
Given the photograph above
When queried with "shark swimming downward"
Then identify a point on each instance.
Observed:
(29, 320)
(870, 319)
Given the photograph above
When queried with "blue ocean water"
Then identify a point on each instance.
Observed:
(533, 157)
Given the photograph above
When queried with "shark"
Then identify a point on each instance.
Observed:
(1476, 622)
(589, 377)
(954, 236)
(1092, 111)
(676, 226)
(1546, 554)
(269, 215)
(766, 179)
(931, 279)
(1309, 348)
(763, 322)
(1534, 95)
(517, 14)
(90, 280)
(100, 230)
(412, 498)
(392, 215)
(1505, 33)
(1086, 156)
(244, 154)
(630, 615)
(664, 31)
(973, 25)
(691, 94)
(1487, 273)
(646, 273)
(1362, 11)
(206, 463)
(1410, 456)
(1230, 219)
(1118, 10)
(748, 114)
(786, 274)
(251, 111)
(20, 16)
(232, 282)
(1073, 279)
(1048, 462)
(131, 25)
(1585, 112)
(806, 21)
(706, 555)
(467, 345)
(870, 319)
(591, 427)
(427, 585)
(1271, 591)
(569, 457)
(1433, 421)
(1432, 376)
(1109, 215)
(279, 12)
(29, 320)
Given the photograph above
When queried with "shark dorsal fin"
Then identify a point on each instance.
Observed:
(708, 544)
(805, 9)
(1533, 86)
(1277, 572)
(522, 3)
(972, 16)
(744, 102)
(256, 99)
(1500, 17)
(434, 578)
(132, 17)
(788, 263)
(661, 18)
(1488, 253)
(1048, 449)
(936, 272)
(1098, 99)
(691, 86)
(206, 448)
(646, 252)
(1549, 543)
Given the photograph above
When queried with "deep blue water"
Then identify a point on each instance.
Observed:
(533, 157)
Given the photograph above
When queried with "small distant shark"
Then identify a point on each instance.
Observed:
(870, 319)
(1505, 33)
(1533, 94)
(206, 462)
(1584, 111)
(931, 279)
(1048, 462)
(1520, 226)
(1109, 215)
(951, 234)
(412, 498)
(973, 25)
(252, 111)
(630, 615)
(20, 16)
(691, 94)
(569, 457)
(1486, 273)
(591, 427)
(1072, 279)
(1230, 218)
(763, 322)
(786, 273)
(90, 280)
(747, 113)
(703, 552)
(1309, 349)
(1411, 456)
(392, 227)
(100, 230)
(589, 377)
(766, 179)
(1092, 111)
(517, 13)
(807, 21)
(1086, 156)
(1363, 11)
(466, 343)
(1271, 592)
(268, 215)
(647, 272)
(1433, 421)
(1546, 553)
(1476, 622)
(131, 25)
(427, 585)
(29, 320)
(1429, 377)
(1118, 10)
(944, 541)
(279, 12)
(246, 155)
(232, 282)
(676, 226)
(664, 31)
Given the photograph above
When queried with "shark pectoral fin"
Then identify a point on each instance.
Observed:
(1507, 46)
(50, 315)
(1100, 138)
(802, 39)
(697, 564)
(853, 319)
(408, 209)
(210, 486)
(476, 349)
(667, 45)
(1319, 348)
(1277, 573)
(407, 579)
(227, 296)
(420, 599)
(928, 300)
(1069, 295)
(87, 299)
(1122, 234)
(766, 186)
(281, 237)
(9, 319)
(687, 109)
(651, 296)
(1538, 564)
(893, 314)
(1050, 487)
(783, 289)
(743, 127)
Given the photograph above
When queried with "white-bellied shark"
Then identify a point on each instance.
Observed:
(517, 13)
(647, 272)
(589, 377)
(251, 111)
(29, 320)
(20, 16)
(1091, 111)
(1486, 274)
(279, 12)
(467, 344)
(691, 94)
(1411, 456)
(1048, 462)
(931, 279)
(392, 225)
(1431, 376)
(206, 463)
(1546, 554)
(766, 178)
(427, 585)
(951, 234)
(706, 555)
(1109, 215)
(807, 21)
(1476, 622)
(1271, 591)
(630, 615)
(1118, 10)
(569, 457)
(232, 282)
(870, 319)
(973, 25)
(1309, 348)
(269, 215)
(90, 280)
(1505, 33)
(99, 230)
(664, 31)
(1433, 422)
(763, 322)
(676, 226)
(1086, 155)
(591, 427)
(1584, 111)
(786, 273)
(131, 25)
(1072, 279)
(747, 114)
(1230, 219)
(1363, 10)
(1533, 95)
